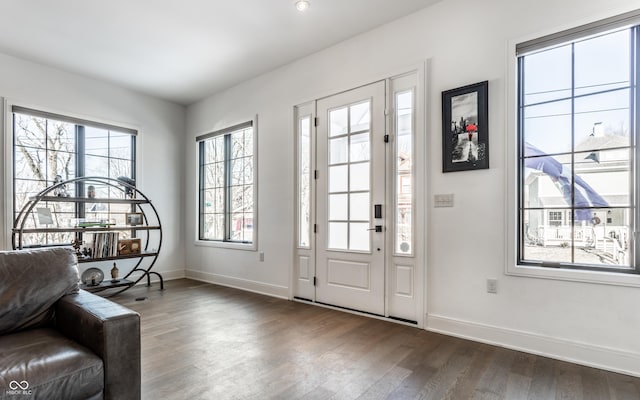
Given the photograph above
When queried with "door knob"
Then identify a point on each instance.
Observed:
(377, 228)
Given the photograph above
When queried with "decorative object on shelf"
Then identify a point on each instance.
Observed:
(86, 252)
(97, 229)
(128, 182)
(77, 243)
(61, 188)
(44, 216)
(114, 273)
(92, 276)
(91, 191)
(465, 128)
(129, 246)
(90, 224)
(133, 219)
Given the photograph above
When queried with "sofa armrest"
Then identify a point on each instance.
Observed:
(109, 330)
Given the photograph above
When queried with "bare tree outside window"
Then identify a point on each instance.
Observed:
(46, 149)
(227, 186)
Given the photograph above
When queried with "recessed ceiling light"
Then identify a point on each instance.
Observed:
(302, 5)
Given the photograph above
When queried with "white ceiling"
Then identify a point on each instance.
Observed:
(185, 50)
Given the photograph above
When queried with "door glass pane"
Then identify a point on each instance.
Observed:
(360, 117)
(349, 143)
(338, 179)
(359, 207)
(404, 172)
(338, 121)
(338, 207)
(359, 176)
(338, 150)
(304, 181)
(359, 149)
(359, 236)
(338, 235)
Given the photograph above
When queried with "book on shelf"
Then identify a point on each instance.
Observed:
(105, 244)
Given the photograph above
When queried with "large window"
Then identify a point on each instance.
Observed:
(226, 183)
(577, 156)
(47, 147)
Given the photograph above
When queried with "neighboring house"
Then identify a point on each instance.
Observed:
(607, 172)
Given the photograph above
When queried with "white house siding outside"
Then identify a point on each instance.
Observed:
(604, 239)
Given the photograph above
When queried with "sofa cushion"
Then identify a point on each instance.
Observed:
(32, 281)
(48, 365)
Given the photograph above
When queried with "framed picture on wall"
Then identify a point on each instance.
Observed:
(465, 128)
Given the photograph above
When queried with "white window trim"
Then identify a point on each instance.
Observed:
(511, 189)
(230, 245)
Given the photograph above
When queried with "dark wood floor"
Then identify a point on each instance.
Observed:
(202, 341)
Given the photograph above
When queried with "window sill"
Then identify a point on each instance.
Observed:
(598, 277)
(227, 245)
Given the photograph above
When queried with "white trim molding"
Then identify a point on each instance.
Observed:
(268, 289)
(609, 358)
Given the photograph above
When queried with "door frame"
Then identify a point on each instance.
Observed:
(422, 152)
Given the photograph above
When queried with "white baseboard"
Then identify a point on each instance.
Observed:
(281, 292)
(607, 358)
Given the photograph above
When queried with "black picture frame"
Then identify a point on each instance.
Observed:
(465, 128)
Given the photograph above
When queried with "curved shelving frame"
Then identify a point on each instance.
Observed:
(137, 198)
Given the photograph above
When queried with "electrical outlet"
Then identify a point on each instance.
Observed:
(492, 286)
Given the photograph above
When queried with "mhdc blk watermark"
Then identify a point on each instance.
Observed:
(19, 388)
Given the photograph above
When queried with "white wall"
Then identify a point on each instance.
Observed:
(465, 41)
(160, 145)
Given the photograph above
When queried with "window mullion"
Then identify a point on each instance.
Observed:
(227, 187)
(520, 153)
(201, 195)
(80, 171)
(634, 111)
(573, 154)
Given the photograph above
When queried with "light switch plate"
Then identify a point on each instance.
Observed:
(443, 200)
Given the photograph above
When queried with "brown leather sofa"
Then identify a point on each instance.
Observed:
(59, 342)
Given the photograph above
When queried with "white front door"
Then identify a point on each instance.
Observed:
(350, 238)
